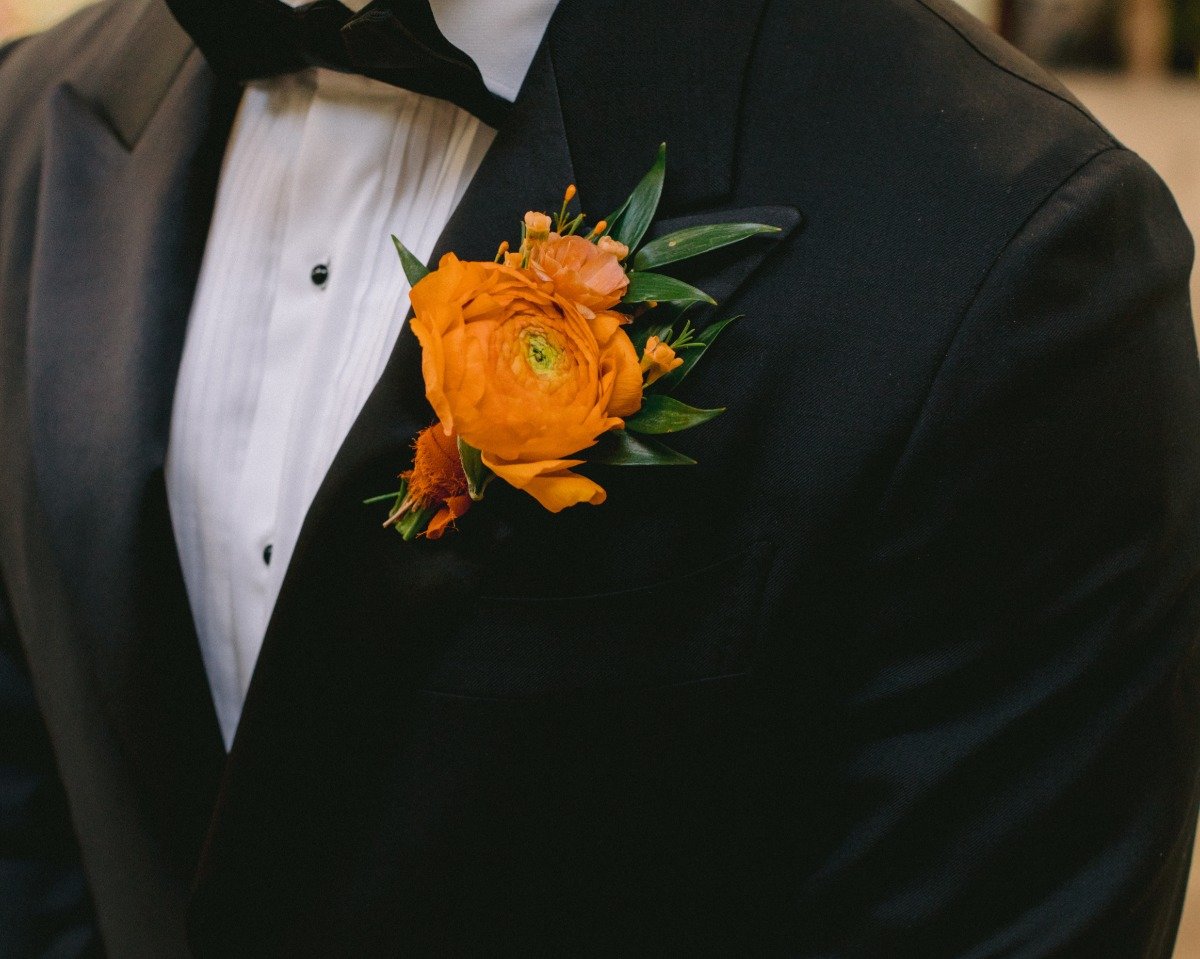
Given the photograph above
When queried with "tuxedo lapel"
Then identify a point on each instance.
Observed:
(662, 97)
(131, 155)
(358, 608)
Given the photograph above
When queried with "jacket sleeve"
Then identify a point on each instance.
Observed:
(1023, 781)
(45, 909)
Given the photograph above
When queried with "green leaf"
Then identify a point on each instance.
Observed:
(644, 287)
(630, 222)
(414, 269)
(694, 240)
(620, 448)
(662, 414)
(478, 475)
(692, 356)
(615, 217)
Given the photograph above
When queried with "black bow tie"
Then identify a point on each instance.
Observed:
(395, 41)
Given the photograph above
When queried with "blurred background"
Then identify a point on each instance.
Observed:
(1134, 63)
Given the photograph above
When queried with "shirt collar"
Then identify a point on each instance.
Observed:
(501, 37)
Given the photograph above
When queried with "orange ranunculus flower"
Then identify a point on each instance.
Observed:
(523, 373)
(580, 270)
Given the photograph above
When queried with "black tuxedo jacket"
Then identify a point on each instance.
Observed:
(906, 667)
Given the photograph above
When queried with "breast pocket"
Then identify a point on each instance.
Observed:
(683, 629)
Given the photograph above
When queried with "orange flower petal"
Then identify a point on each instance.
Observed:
(455, 507)
(583, 272)
(550, 482)
(626, 396)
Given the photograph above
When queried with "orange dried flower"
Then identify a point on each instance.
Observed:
(437, 479)
(524, 373)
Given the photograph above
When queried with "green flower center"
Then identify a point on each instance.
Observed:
(541, 353)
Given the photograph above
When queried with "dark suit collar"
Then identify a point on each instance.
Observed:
(136, 71)
(601, 58)
(132, 147)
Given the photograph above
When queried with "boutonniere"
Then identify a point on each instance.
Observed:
(554, 356)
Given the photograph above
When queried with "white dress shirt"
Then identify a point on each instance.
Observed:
(299, 302)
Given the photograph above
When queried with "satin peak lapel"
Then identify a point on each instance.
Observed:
(131, 155)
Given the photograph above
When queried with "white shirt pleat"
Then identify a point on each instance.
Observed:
(320, 170)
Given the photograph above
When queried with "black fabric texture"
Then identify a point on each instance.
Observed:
(44, 905)
(904, 668)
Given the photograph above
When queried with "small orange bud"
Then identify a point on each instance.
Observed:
(537, 225)
(600, 228)
(658, 359)
(607, 244)
(501, 251)
(570, 194)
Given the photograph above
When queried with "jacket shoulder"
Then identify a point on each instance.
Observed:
(920, 83)
(915, 140)
(1005, 58)
(919, 147)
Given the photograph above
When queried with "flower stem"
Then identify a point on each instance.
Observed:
(380, 499)
(414, 521)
